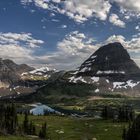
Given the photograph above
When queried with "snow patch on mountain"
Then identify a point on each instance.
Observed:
(43, 69)
(74, 79)
(74, 73)
(97, 90)
(93, 56)
(95, 79)
(84, 69)
(127, 84)
(107, 81)
(110, 72)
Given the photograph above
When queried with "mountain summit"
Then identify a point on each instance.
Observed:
(110, 68)
(112, 59)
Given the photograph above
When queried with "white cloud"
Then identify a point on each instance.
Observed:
(114, 19)
(17, 39)
(79, 10)
(137, 28)
(132, 45)
(64, 26)
(16, 53)
(82, 10)
(76, 43)
(18, 47)
(72, 51)
(115, 38)
(39, 3)
(129, 8)
(133, 5)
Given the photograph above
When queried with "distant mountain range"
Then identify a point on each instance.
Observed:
(109, 70)
(41, 73)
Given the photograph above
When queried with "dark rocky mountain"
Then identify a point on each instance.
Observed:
(110, 68)
(10, 71)
(10, 77)
(110, 60)
(15, 67)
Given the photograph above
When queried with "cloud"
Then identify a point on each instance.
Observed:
(133, 5)
(115, 38)
(129, 8)
(64, 26)
(39, 3)
(17, 39)
(137, 28)
(132, 45)
(114, 19)
(71, 51)
(79, 10)
(76, 43)
(18, 47)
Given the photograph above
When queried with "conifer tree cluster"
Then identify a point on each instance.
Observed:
(123, 114)
(9, 122)
(8, 118)
(43, 131)
(28, 126)
(133, 132)
(126, 114)
(107, 112)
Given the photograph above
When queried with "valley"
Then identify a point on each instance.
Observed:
(69, 69)
(83, 104)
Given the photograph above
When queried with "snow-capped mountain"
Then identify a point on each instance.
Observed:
(110, 68)
(44, 72)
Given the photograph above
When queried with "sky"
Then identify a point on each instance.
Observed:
(61, 34)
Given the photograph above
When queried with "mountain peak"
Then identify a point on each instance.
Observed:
(114, 44)
(112, 57)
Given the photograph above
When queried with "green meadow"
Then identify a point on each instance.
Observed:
(70, 128)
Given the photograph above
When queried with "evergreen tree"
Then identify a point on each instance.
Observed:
(26, 124)
(124, 134)
(107, 113)
(43, 131)
(126, 113)
(133, 132)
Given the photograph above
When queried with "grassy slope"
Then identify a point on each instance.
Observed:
(75, 128)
